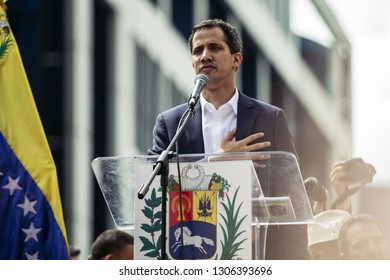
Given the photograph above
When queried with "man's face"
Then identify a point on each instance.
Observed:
(328, 250)
(366, 242)
(211, 56)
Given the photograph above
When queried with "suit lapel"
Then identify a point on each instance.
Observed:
(194, 133)
(245, 117)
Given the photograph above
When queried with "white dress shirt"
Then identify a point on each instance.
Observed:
(217, 123)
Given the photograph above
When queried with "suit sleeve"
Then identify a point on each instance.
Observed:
(283, 139)
(160, 136)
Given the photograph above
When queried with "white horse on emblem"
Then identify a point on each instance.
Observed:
(196, 240)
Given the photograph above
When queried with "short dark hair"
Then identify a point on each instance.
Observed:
(232, 38)
(358, 219)
(74, 251)
(110, 241)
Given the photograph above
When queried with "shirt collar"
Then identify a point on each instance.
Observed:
(233, 101)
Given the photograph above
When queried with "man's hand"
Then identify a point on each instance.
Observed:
(340, 186)
(337, 176)
(244, 145)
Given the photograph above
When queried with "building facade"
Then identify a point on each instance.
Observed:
(101, 71)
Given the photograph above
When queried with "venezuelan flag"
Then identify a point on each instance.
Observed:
(31, 219)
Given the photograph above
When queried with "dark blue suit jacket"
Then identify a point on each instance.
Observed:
(253, 116)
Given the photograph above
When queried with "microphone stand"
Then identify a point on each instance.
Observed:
(162, 168)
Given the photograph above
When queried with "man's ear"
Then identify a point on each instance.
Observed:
(237, 59)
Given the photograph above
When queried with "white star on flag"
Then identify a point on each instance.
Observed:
(31, 232)
(32, 257)
(12, 185)
(28, 206)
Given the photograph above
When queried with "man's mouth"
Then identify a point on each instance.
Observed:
(206, 68)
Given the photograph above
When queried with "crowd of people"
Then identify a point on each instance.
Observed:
(338, 235)
(336, 232)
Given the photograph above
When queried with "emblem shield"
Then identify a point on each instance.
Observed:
(194, 235)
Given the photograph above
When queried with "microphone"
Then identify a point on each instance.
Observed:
(200, 82)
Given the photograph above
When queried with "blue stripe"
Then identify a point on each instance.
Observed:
(51, 244)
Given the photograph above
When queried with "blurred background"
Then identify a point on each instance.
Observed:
(101, 70)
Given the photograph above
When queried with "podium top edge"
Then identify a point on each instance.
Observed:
(271, 153)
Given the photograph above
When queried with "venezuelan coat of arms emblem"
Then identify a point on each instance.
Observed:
(207, 219)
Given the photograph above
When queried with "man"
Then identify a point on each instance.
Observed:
(346, 178)
(113, 244)
(362, 238)
(323, 234)
(226, 120)
(340, 187)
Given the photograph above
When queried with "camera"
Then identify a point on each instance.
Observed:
(314, 191)
(356, 170)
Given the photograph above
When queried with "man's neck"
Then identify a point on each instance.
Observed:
(219, 96)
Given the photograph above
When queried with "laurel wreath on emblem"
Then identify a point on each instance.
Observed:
(216, 183)
(151, 245)
(231, 243)
(5, 38)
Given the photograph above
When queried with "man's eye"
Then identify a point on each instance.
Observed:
(215, 47)
(196, 51)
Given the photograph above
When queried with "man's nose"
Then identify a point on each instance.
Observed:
(206, 55)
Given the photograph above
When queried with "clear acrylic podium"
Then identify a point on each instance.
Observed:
(270, 185)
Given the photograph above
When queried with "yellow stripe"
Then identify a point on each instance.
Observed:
(21, 126)
(2, 5)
